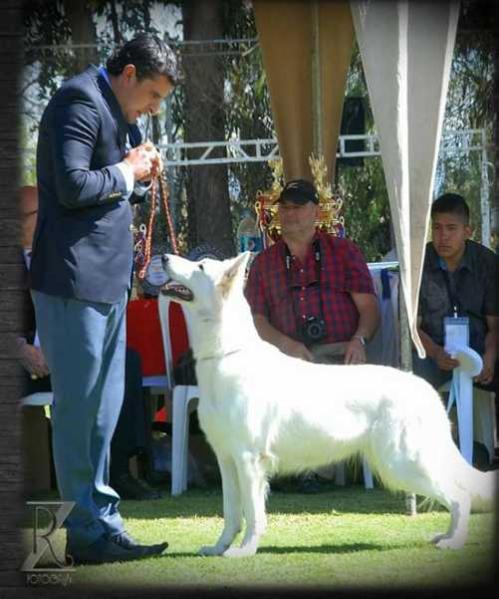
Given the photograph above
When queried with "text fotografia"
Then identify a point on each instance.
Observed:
(56, 570)
(44, 578)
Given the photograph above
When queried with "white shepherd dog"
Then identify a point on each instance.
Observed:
(264, 412)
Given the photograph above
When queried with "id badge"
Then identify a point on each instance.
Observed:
(457, 333)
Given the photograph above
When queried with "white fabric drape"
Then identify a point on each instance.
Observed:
(406, 49)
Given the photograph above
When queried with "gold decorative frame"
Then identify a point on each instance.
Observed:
(330, 203)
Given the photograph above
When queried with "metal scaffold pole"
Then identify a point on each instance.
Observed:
(316, 83)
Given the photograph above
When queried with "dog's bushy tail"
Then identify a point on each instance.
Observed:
(482, 486)
(484, 490)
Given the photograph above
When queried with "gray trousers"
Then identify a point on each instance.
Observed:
(329, 353)
(84, 345)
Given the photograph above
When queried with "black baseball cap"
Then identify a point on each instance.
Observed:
(299, 191)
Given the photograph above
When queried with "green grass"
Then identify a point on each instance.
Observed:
(340, 538)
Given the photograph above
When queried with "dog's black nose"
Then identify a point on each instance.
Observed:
(164, 260)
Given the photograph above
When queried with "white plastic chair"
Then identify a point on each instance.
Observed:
(339, 474)
(38, 399)
(475, 423)
(184, 400)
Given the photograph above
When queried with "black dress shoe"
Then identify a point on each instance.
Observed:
(129, 487)
(123, 539)
(103, 551)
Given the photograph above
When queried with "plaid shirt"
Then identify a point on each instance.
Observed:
(343, 271)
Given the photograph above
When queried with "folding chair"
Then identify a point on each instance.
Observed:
(476, 422)
(38, 399)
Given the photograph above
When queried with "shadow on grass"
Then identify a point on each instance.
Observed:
(208, 503)
(290, 549)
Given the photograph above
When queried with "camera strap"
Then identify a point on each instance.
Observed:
(317, 260)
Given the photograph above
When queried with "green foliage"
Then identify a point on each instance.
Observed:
(247, 112)
(46, 25)
(366, 208)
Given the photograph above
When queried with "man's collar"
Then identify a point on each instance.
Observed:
(285, 248)
(105, 74)
(104, 84)
(438, 263)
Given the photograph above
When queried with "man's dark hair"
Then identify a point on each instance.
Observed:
(150, 55)
(451, 203)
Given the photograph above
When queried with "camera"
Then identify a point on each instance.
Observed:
(313, 330)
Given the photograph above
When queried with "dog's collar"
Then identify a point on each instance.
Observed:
(218, 356)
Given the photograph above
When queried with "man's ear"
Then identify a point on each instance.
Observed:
(468, 230)
(235, 267)
(128, 72)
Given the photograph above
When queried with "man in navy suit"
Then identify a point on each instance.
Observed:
(87, 173)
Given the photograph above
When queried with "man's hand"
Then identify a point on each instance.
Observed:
(355, 352)
(443, 360)
(296, 349)
(145, 161)
(487, 374)
(33, 360)
(157, 161)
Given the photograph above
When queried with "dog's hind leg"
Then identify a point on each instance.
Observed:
(459, 506)
(439, 486)
(231, 505)
(423, 479)
(253, 487)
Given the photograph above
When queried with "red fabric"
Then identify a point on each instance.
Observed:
(343, 270)
(161, 415)
(143, 334)
(180, 340)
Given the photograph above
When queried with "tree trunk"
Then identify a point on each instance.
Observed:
(208, 200)
(83, 31)
(114, 21)
(495, 104)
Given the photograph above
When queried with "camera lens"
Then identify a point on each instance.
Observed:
(314, 330)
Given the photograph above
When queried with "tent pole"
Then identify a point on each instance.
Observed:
(316, 83)
(406, 363)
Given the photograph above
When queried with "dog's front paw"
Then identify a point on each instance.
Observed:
(245, 551)
(438, 537)
(447, 542)
(211, 550)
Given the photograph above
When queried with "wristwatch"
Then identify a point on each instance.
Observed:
(361, 338)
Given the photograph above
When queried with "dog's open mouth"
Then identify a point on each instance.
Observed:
(177, 290)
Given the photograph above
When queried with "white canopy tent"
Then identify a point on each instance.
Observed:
(406, 50)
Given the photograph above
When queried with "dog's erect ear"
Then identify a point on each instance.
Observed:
(236, 266)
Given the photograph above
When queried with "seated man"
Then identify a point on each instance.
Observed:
(459, 277)
(311, 294)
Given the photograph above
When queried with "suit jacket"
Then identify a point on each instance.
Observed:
(37, 385)
(83, 243)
